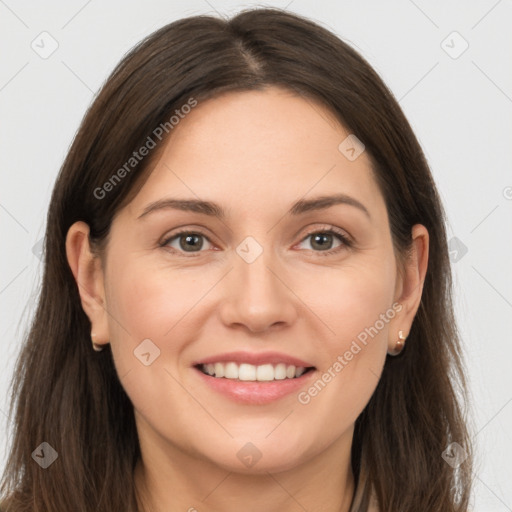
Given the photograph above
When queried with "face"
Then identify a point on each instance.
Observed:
(295, 306)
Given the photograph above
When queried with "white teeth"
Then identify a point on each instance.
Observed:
(299, 371)
(247, 372)
(250, 372)
(219, 370)
(231, 371)
(264, 372)
(280, 371)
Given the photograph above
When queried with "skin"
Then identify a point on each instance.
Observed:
(239, 150)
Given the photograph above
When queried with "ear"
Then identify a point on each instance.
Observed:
(88, 272)
(410, 284)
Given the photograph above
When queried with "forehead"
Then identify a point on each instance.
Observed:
(249, 148)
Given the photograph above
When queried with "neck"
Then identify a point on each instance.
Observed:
(168, 479)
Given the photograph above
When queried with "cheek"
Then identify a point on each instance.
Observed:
(147, 306)
(357, 311)
(149, 302)
(148, 316)
(352, 299)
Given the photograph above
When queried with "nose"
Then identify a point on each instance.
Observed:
(256, 295)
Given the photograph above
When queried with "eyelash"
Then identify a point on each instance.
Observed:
(331, 230)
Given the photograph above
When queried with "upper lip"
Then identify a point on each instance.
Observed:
(254, 358)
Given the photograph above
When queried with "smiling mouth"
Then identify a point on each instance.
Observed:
(255, 373)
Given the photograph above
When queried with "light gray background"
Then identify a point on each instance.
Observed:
(460, 109)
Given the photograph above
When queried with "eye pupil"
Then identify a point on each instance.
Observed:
(189, 238)
(321, 236)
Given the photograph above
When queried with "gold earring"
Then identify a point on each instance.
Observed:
(95, 346)
(399, 346)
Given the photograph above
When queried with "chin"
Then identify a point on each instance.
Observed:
(259, 456)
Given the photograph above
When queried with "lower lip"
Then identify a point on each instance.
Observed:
(253, 392)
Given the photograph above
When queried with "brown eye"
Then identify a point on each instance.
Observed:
(322, 241)
(186, 241)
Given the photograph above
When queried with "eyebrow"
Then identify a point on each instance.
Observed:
(215, 210)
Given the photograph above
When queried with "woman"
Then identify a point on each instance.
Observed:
(247, 233)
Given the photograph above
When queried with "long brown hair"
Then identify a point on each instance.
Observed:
(69, 396)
